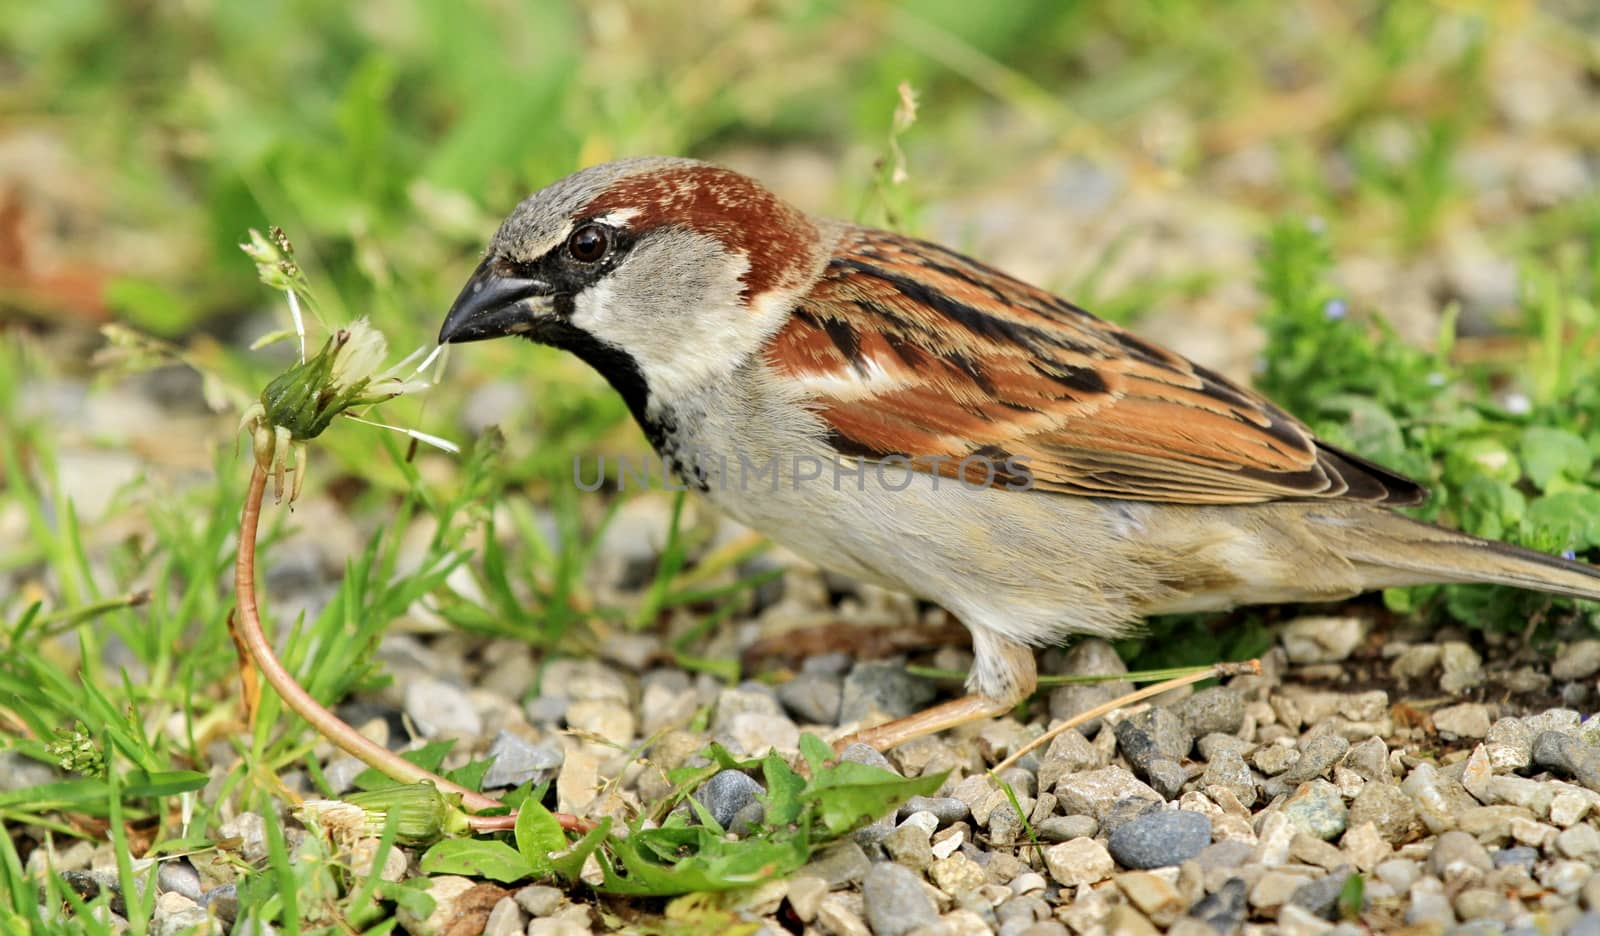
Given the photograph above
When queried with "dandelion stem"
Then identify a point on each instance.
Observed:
(253, 642)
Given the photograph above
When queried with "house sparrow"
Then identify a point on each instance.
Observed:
(988, 446)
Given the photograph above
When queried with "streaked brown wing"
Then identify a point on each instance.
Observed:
(911, 350)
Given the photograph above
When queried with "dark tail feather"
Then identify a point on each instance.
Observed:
(1415, 553)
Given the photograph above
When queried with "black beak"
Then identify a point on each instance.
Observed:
(495, 303)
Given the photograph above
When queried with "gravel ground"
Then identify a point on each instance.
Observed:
(1465, 802)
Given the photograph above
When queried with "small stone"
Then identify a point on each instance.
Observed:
(176, 914)
(1366, 847)
(1151, 734)
(1217, 710)
(1520, 855)
(1274, 839)
(1438, 799)
(517, 761)
(539, 900)
(1097, 792)
(841, 864)
(1226, 769)
(506, 919)
(1462, 667)
(757, 733)
(1399, 874)
(742, 699)
(1067, 828)
(1370, 759)
(946, 809)
(834, 915)
(882, 688)
(1080, 861)
(458, 903)
(957, 874)
(1317, 809)
(1581, 842)
(1491, 823)
(1308, 849)
(813, 698)
(1566, 877)
(1096, 657)
(1322, 639)
(895, 900)
(1155, 897)
(805, 895)
(1224, 909)
(1274, 759)
(251, 831)
(1569, 756)
(1429, 907)
(1318, 753)
(1126, 921)
(179, 877)
(1069, 753)
(1580, 660)
(1476, 903)
(1469, 721)
(1457, 855)
(1216, 744)
(1568, 808)
(1389, 810)
(441, 710)
(910, 845)
(1160, 839)
(1414, 662)
(1276, 888)
(1321, 895)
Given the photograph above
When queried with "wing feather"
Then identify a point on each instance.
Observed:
(909, 350)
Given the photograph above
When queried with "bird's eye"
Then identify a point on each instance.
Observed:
(588, 243)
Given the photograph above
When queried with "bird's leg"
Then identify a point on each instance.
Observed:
(1004, 674)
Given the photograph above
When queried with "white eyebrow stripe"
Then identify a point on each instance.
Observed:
(620, 217)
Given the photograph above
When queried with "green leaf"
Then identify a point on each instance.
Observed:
(471, 774)
(538, 836)
(1564, 520)
(473, 857)
(163, 782)
(849, 795)
(784, 786)
(429, 757)
(570, 865)
(1548, 454)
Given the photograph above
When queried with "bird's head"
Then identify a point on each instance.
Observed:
(662, 273)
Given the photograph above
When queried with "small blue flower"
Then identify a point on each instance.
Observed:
(1335, 309)
(1569, 555)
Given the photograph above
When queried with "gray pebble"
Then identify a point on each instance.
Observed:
(1126, 810)
(1224, 910)
(1160, 839)
(442, 710)
(1155, 732)
(1067, 828)
(1226, 769)
(1217, 710)
(812, 698)
(1569, 756)
(1166, 777)
(841, 864)
(1210, 746)
(946, 809)
(222, 902)
(179, 876)
(1456, 854)
(517, 761)
(895, 900)
(1321, 895)
(726, 794)
(1091, 657)
(1516, 855)
(1318, 754)
(883, 687)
